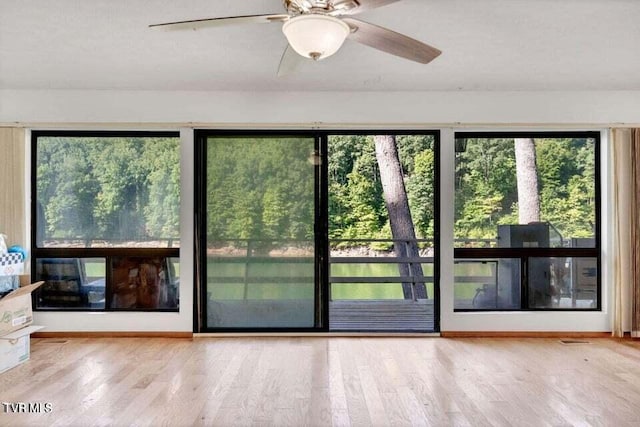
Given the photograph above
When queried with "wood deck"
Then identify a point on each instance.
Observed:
(381, 315)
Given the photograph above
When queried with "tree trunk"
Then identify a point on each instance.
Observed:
(527, 175)
(395, 197)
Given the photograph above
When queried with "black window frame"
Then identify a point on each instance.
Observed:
(109, 254)
(200, 200)
(524, 254)
(321, 221)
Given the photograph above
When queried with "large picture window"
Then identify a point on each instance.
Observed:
(317, 230)
(527, 223)
(105, 209)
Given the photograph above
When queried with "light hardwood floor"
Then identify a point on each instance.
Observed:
(327, 381)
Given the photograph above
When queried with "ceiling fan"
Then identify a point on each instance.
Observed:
(316, 29)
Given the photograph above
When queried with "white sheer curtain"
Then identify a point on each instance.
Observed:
(623, 233)
(12, 190)
(635, 232)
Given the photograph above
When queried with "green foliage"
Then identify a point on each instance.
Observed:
(486, 188)
(260, 189)
(421, 192)
(363, 207)
(162, 212)
(355, 192)
(263, 188)
(356, 204)
(109, 188)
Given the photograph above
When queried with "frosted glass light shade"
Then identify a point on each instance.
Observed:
(315, 36)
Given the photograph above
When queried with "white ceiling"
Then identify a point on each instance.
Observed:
(487, 45)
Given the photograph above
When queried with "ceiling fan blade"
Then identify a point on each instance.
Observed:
(217, 22)
(290, 62)
(391, 42)
(352, 7)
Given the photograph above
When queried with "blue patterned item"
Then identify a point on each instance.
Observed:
(19, 250)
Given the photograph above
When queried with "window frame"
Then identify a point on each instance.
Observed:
(436, 133)
(321, 221)
(110, 253)
(523, 254)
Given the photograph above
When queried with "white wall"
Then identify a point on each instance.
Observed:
(443, 110)
(330, 108)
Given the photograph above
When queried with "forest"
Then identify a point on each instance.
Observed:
(97, 188)
(357, 208)
(487, 193)
(260, 189)
(251, 195)
(263, 188)
(485, 184)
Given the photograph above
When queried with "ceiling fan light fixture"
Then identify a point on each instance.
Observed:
(315, 36)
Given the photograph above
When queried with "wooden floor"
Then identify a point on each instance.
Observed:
(327, 381)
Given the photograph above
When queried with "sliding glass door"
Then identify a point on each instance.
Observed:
(317, 231)
(259, 215)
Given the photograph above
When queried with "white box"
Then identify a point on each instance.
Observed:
(15, 347)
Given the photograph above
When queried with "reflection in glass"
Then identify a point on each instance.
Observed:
(559, 282)
(70, 283)
(144, 283)
(487, 284)
(260, 196)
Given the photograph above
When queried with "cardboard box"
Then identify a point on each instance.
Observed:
(15, 348)
(25, 279)
(15, 309)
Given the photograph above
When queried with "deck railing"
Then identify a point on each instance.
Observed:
(410, 263)
(254, 252)
(98, 242)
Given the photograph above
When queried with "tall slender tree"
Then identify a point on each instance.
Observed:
(527, 177)
(395, 197)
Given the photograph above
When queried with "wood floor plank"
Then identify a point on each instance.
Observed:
(372, 396)
(326, 381)
(337, 394)
(356, 402)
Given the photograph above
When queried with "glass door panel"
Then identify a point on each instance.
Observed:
(260, 247)
(382, 223)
